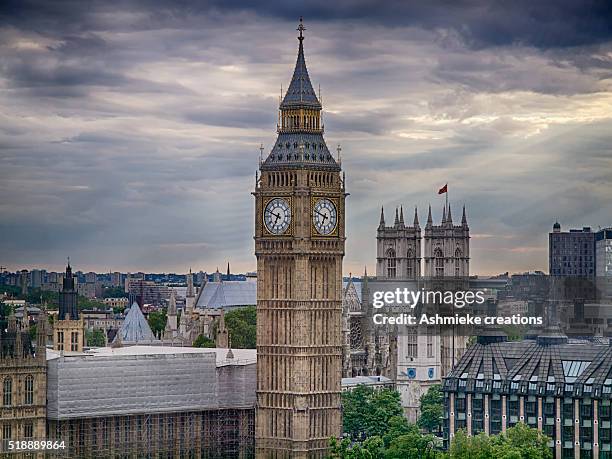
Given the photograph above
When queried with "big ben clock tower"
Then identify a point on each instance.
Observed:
(299, 244)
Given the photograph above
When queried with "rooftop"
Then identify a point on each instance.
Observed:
(241, 356)
(227, 294)
(135, 328)
(573, 366)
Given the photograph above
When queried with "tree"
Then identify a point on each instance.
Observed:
(375, 427)
(36, 295)
(87, 303)
(114, 292)
(530, 443)
(368, 412)
(242, 326)
(203, 341)
(95, 338)
(371, 448)
(157, 321)
(519, 442)
(411, 445)
(477, 447)
(432, 409)
(514, 332)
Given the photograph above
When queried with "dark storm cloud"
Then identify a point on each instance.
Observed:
(548, 24)
(130, 131)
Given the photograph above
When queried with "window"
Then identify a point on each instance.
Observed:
(549, 431)
(391, 263)
(495, 417)
(28, 430)
(438, 263)
(411, 339)
(568, 410)
(568, 433)
(7, 433)
(513, 408)
(430, 352)
(60, 341)
(7, 392)
(74, 341)
(29, 390)
(477, 416)
(410, 264)
(457, 262)
(531, 408)
(586, 411)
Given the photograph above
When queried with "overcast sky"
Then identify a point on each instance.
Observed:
(130, 133)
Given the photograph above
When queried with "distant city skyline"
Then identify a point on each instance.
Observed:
(130, 134)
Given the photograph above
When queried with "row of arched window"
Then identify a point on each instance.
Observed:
(308, 119)
(438, 263)
(282, 179)
(7, 391)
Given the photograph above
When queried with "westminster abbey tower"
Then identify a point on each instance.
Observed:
(435, 257)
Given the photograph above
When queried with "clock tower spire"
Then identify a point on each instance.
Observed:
(299, 245)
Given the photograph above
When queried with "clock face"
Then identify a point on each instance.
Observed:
(324, 216)
(277, 216)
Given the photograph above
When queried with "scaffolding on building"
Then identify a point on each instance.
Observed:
(152, 402)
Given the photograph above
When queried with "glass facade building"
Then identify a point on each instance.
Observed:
(561, 387)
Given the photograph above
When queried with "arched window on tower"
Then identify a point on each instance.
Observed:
(458, 262)
(411, 341)
(391, 263)
(7, 392)
(410, 264)
(438, 263)
(29, 390)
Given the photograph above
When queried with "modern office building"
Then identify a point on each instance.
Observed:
(147, 292)
(571, 253)
(37, 277)
(603, 262)
(116, 279)
(560, 386)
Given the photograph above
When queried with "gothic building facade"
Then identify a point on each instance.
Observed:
(436, 257)
(197, 320)
(299, 245)
(367, 350)
(23, 375)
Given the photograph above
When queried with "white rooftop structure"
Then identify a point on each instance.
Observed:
(241, 356)
(227, 295)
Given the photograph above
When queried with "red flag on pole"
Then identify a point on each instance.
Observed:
(443, 190)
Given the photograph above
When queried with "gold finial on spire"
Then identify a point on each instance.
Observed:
(301, 29)
(339, 150)
(261, 149)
